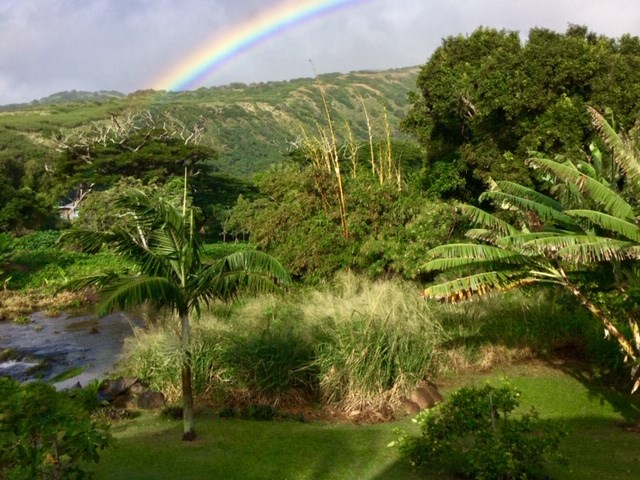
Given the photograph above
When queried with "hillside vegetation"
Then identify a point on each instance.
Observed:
(250, 126)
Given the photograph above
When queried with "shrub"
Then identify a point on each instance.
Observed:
(473, 434)
(271, 364)
(45, 434)
(37, 240)
(263, 363)
(374, 340)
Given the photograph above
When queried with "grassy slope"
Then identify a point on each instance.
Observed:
(149, 448)
(251, 126)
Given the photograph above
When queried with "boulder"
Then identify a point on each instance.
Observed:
(150, 400)
(112, 389)
(130, 393)
(426, 397)
(411, 408)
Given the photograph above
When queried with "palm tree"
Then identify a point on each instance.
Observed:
(549, 243)
(163, 242)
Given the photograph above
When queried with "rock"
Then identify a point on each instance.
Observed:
(137, 388)
(112, 389)
(124, 401)
(410, 407)
(130, 393)
(151, 400)
(426, 397)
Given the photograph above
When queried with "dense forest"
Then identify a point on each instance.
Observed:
(504, 163)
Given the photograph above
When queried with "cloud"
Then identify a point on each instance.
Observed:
(52, 45)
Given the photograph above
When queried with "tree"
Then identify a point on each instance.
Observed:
(298, 221)
(547, 242)
(24, 203)
(486, 100)
(23, 210)
(165, 244)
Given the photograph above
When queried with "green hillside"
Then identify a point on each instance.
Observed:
(251, 126)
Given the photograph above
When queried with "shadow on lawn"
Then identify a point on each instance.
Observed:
(245, 449)
(622, 402)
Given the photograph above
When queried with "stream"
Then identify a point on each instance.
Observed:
(81, 348)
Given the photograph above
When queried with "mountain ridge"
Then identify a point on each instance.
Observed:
(251, 126)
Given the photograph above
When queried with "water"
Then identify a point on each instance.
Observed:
(50, 346)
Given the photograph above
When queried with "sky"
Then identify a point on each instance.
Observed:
(48, 46)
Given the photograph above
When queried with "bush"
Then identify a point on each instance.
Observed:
(262, 363)
(473, 434)
(45, 434)
(271, 364)
(217, 251)
(374, 341)
(37, 240)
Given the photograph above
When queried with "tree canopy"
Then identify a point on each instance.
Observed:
(486, 100)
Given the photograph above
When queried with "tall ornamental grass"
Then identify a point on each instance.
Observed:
(357, 346)
(375, 341)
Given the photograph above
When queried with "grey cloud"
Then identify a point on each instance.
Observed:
(52, 45)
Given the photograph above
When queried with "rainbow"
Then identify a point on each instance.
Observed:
(227, 45)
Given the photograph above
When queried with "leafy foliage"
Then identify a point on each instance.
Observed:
(296, 220)
(486, 100)
(23, 210)
(475, 433)
(45, 434)
(555, 245)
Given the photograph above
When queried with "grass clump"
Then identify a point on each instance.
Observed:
(376, 340)
(242, 364)
(357, 346)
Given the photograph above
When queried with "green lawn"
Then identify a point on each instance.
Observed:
(149, 447)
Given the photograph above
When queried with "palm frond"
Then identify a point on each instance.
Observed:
(127, 292)
(485, 219)
(479, 284)
(588, 170)
(452, 263)
(552, 245)
(508, 201)
(249, 270)
(602, 250)
(472, 251)
(608, 222)
(130, 245)
(168, 254)
(596, 158)
(626, 154)
(255, 261)
(518, 190)
(482, 234)
(610, 201)
(517, 241)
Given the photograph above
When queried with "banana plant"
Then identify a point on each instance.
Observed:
(550, 242)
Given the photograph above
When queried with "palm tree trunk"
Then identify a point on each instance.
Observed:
(189, 431)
